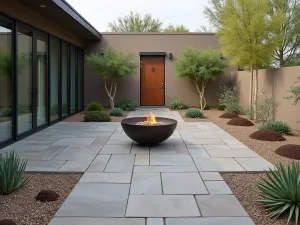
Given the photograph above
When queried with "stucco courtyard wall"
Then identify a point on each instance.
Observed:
(276, 82)
(175, 88)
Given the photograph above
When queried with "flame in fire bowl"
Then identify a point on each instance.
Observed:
(145, 133)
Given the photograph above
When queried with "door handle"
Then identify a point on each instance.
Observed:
(162, 85)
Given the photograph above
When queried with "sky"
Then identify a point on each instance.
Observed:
(177, 12)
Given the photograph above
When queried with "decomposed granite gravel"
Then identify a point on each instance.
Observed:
(244, 186)
(22, 207)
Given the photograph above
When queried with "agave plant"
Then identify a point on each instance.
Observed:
(281, 192)
(12, 173)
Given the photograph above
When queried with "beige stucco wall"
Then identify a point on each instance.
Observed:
(276, 82)
(175, 88)
(14, 9)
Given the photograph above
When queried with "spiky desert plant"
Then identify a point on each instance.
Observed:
(281, 191)
(12, 173)
(116, 112)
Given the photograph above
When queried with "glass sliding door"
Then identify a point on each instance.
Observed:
(73, 78)
(80, 79)
(24, 77)
(64, 78)
(5, 79)
(41, 79)
(54, 78)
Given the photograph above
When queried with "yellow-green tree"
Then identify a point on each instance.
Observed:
(247, 36)
(178, 28)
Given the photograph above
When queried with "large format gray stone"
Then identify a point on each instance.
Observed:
(217, 165)
(171, 169)
(171, 160)
(210, 176)
(44, 166)
(85, 149)
(155, 221)
(74, 156)
(220, 205)
(255, 164)
(96, 221)
(120, 178)
(95, 200)
(115, 149)
(217, 188)
(120, 164)
(75, 166)
(162, 206)
(183, 183)
(203, 141)
(145, 184)
(209, 221)
(142, 160)
(99, 164)
(75, 141)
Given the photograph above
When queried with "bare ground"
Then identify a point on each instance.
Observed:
(244, 186)
(22, 207)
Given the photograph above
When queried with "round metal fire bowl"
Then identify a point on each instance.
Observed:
(148, 134)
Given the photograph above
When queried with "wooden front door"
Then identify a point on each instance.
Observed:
(152, 80)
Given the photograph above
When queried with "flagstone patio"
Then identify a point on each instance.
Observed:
(128, 184)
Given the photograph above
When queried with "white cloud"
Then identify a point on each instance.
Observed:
(99, 13)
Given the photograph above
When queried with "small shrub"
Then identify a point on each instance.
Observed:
(280, 192)
(194, 113)
(12, 173)
(278, 126)
(96, 116)
(206, 107)
(221, 107)
(116, 112)
(22, 109)
(229, 97)
(127, 105)
(265, 109)
(178, 105)
(6, 112)
(94, 106)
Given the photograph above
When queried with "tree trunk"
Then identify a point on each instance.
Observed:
(251, 94)
(111, 92)
(256, 91)
(201, 95)
(281, 59)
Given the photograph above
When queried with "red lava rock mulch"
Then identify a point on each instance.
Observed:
(7, 222)
(240, 121)
(229, 115)
(47, 196)
(267, 135)
(290, 151)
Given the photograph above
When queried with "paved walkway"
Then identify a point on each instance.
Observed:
(126, 184)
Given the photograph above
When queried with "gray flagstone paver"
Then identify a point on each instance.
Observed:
(177, 178)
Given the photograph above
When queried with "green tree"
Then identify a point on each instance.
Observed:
(113, 66)
(287, 52)
(178, 28)
(295, 92)
(134, 22)
(247, 36)
(200, 67)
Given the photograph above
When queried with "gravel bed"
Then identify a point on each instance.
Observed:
(244, 186)
(78, 117)
(22, 207)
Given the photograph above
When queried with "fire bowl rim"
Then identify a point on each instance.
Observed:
(143, 118)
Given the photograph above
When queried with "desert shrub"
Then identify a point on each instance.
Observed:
(6, 112)
(221, 107)
(229, 97)
(96, 116)
(178, 104)
(278, 126)
(94, 106)
(280, 192)
(194, 113)
(264, 110)
(116, 112)
(22, 109)
(127, 105)
(12, 173)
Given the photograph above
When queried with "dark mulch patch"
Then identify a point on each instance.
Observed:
(7, 222)
(47, 196)
(267, 135)
(290, 151)
(240, 121)
(229, 115)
